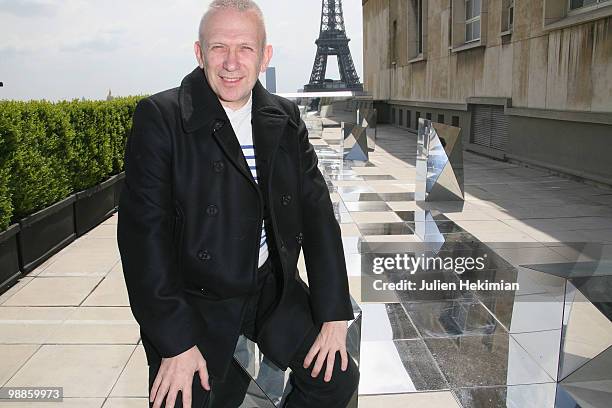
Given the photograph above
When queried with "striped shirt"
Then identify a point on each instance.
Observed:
(241, 123)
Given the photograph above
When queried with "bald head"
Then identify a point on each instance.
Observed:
(245, 6)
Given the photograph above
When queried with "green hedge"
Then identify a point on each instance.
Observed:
(51, 150)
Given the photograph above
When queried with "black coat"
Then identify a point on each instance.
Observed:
(189, 225)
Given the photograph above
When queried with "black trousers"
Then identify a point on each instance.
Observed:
(306, 391)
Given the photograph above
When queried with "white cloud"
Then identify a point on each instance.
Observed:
(73, 48)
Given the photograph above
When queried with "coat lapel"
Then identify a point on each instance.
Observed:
(268, 123)
(228, 141)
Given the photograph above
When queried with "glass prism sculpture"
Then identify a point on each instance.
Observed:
(439, 162)
(367, 118)
(254, 381)
(355, 142)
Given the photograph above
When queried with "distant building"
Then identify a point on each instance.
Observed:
(109, 97)
(271, 79)
(527, 80)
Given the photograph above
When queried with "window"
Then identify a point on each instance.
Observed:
(507, 20)
(393, 116)
(472, 20)
(560, 14)
(416, 120)
(440, 118)
(417, 29)
(455, 121)
(576, 4)
(408, 118)
(428, 116)
(469, 23)
(401, 117)
(420, 25)
(394, 44)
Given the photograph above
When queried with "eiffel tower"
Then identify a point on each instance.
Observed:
(333, 41)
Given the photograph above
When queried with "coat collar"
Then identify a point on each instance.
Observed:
(200, 106)
(201, 109)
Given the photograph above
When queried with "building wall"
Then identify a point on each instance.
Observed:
(548, 64)
(568, 68)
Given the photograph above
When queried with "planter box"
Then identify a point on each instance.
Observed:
(94, 205)
(9, 258)
(118, 187)
(45, 232)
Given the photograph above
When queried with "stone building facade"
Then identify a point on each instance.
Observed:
(527, 80)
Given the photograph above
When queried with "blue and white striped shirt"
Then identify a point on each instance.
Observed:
(241, 123)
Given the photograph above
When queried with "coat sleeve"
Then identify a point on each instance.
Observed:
(144, 236)
(322, 243)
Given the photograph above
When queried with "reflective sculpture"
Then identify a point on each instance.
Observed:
(426, 228)
(257, 382)
(439, 162)
(355, 142)
(367, 118)
(581, 353)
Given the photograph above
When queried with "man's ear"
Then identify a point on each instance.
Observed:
(197, 49)
(267, 56)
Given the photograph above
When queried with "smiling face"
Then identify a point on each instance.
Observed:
(232, 54)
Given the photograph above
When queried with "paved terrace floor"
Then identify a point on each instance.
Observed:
(68, 323)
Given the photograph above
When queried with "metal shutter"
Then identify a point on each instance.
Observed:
(499, 128)
(481, 125)
(489, 126)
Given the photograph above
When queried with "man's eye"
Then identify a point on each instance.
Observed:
(247, 48)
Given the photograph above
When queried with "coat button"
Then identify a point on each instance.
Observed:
(299, 238)
(218, 166)
(218, 125)
(212, 210)
(204, 255)
(285, 199)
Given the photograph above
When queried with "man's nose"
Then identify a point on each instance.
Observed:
(231, 60)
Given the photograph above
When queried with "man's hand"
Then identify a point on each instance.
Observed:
(332, 338)
(176, 374)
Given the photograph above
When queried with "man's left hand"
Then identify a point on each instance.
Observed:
(331, 339)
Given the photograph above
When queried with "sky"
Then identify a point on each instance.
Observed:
(66, 49)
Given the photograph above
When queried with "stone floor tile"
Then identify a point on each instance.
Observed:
(97, 325)
(82, 370)
(13, 356)
(66, 403)
(15, 288)
(110, 292)
(349, 230)
(403, 205)
(437, 399)
(134, 380)
(103, 231)
(374, 217)
(54, 291)
(126, 403)
(30, 325)
(80, 265)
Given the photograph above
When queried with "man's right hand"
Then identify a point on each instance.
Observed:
(176, 374)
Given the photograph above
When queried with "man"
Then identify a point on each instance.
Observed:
(222, 190)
